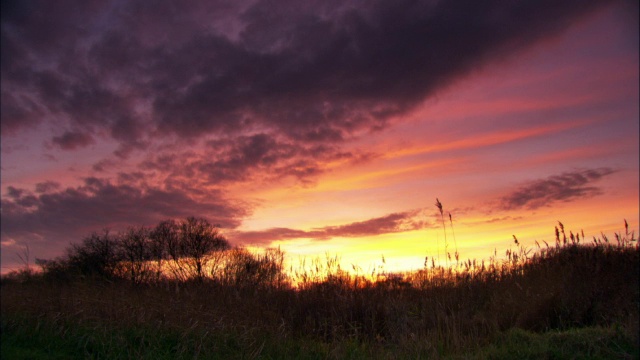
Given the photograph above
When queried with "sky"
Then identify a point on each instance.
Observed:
(321, 127)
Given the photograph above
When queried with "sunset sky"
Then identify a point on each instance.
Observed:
(322, 127)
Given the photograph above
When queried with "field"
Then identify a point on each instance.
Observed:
(573, 299)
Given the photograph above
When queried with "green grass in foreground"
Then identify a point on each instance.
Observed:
(29, 339)
(584, 343)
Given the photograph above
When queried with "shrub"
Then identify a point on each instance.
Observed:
(97, 256)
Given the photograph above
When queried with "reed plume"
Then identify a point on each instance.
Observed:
(455, 243)
(439, 206)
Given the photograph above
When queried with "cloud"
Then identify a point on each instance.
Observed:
(502, 219)
(259, 157)
(103, 165)
(18, 111)
(72, 140)
(392, 223)
(63, 215)
(47, 186)
(320, 72)
(568, 186)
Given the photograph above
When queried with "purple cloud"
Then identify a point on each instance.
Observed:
(65, 215)
(319, 72)
(47, 186)
(392, 223)
(565, 187)
(250, 158)
(72, 140)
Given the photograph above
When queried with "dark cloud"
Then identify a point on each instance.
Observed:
(17, 111)
(392, 223)
(72, 140)
(396, 222)
(64, 215)
(258, 157)
(47, 186)
(14, 193)
(325, 71)
(321, 71)
(565, 187)
(103, 165)
(15, 10)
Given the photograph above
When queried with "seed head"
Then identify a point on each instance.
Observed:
(439, 206)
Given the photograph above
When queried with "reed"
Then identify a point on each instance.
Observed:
(447, 256)
(252, 309)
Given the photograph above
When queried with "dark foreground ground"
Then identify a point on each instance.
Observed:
(565, 302)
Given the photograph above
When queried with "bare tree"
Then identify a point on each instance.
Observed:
(136, 254)
(25, 257)
(190, 249)
(164, 244)
(198, 240)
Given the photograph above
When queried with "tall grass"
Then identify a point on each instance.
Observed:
(251, 309)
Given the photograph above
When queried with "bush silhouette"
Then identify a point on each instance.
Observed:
(246, 270)
(97, 256)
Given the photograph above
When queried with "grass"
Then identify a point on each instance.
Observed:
(572, 300)
(29, 339)
(584, 343)
(26, 339)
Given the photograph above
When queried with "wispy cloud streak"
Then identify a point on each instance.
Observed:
(568, 186)
(392, 223)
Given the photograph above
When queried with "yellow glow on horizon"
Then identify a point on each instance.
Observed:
(477, 237)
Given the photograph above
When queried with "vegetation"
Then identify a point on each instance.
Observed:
(179, 291)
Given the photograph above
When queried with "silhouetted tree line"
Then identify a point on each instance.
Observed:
(188, 250)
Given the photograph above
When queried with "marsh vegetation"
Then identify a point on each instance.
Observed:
(180, 291)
